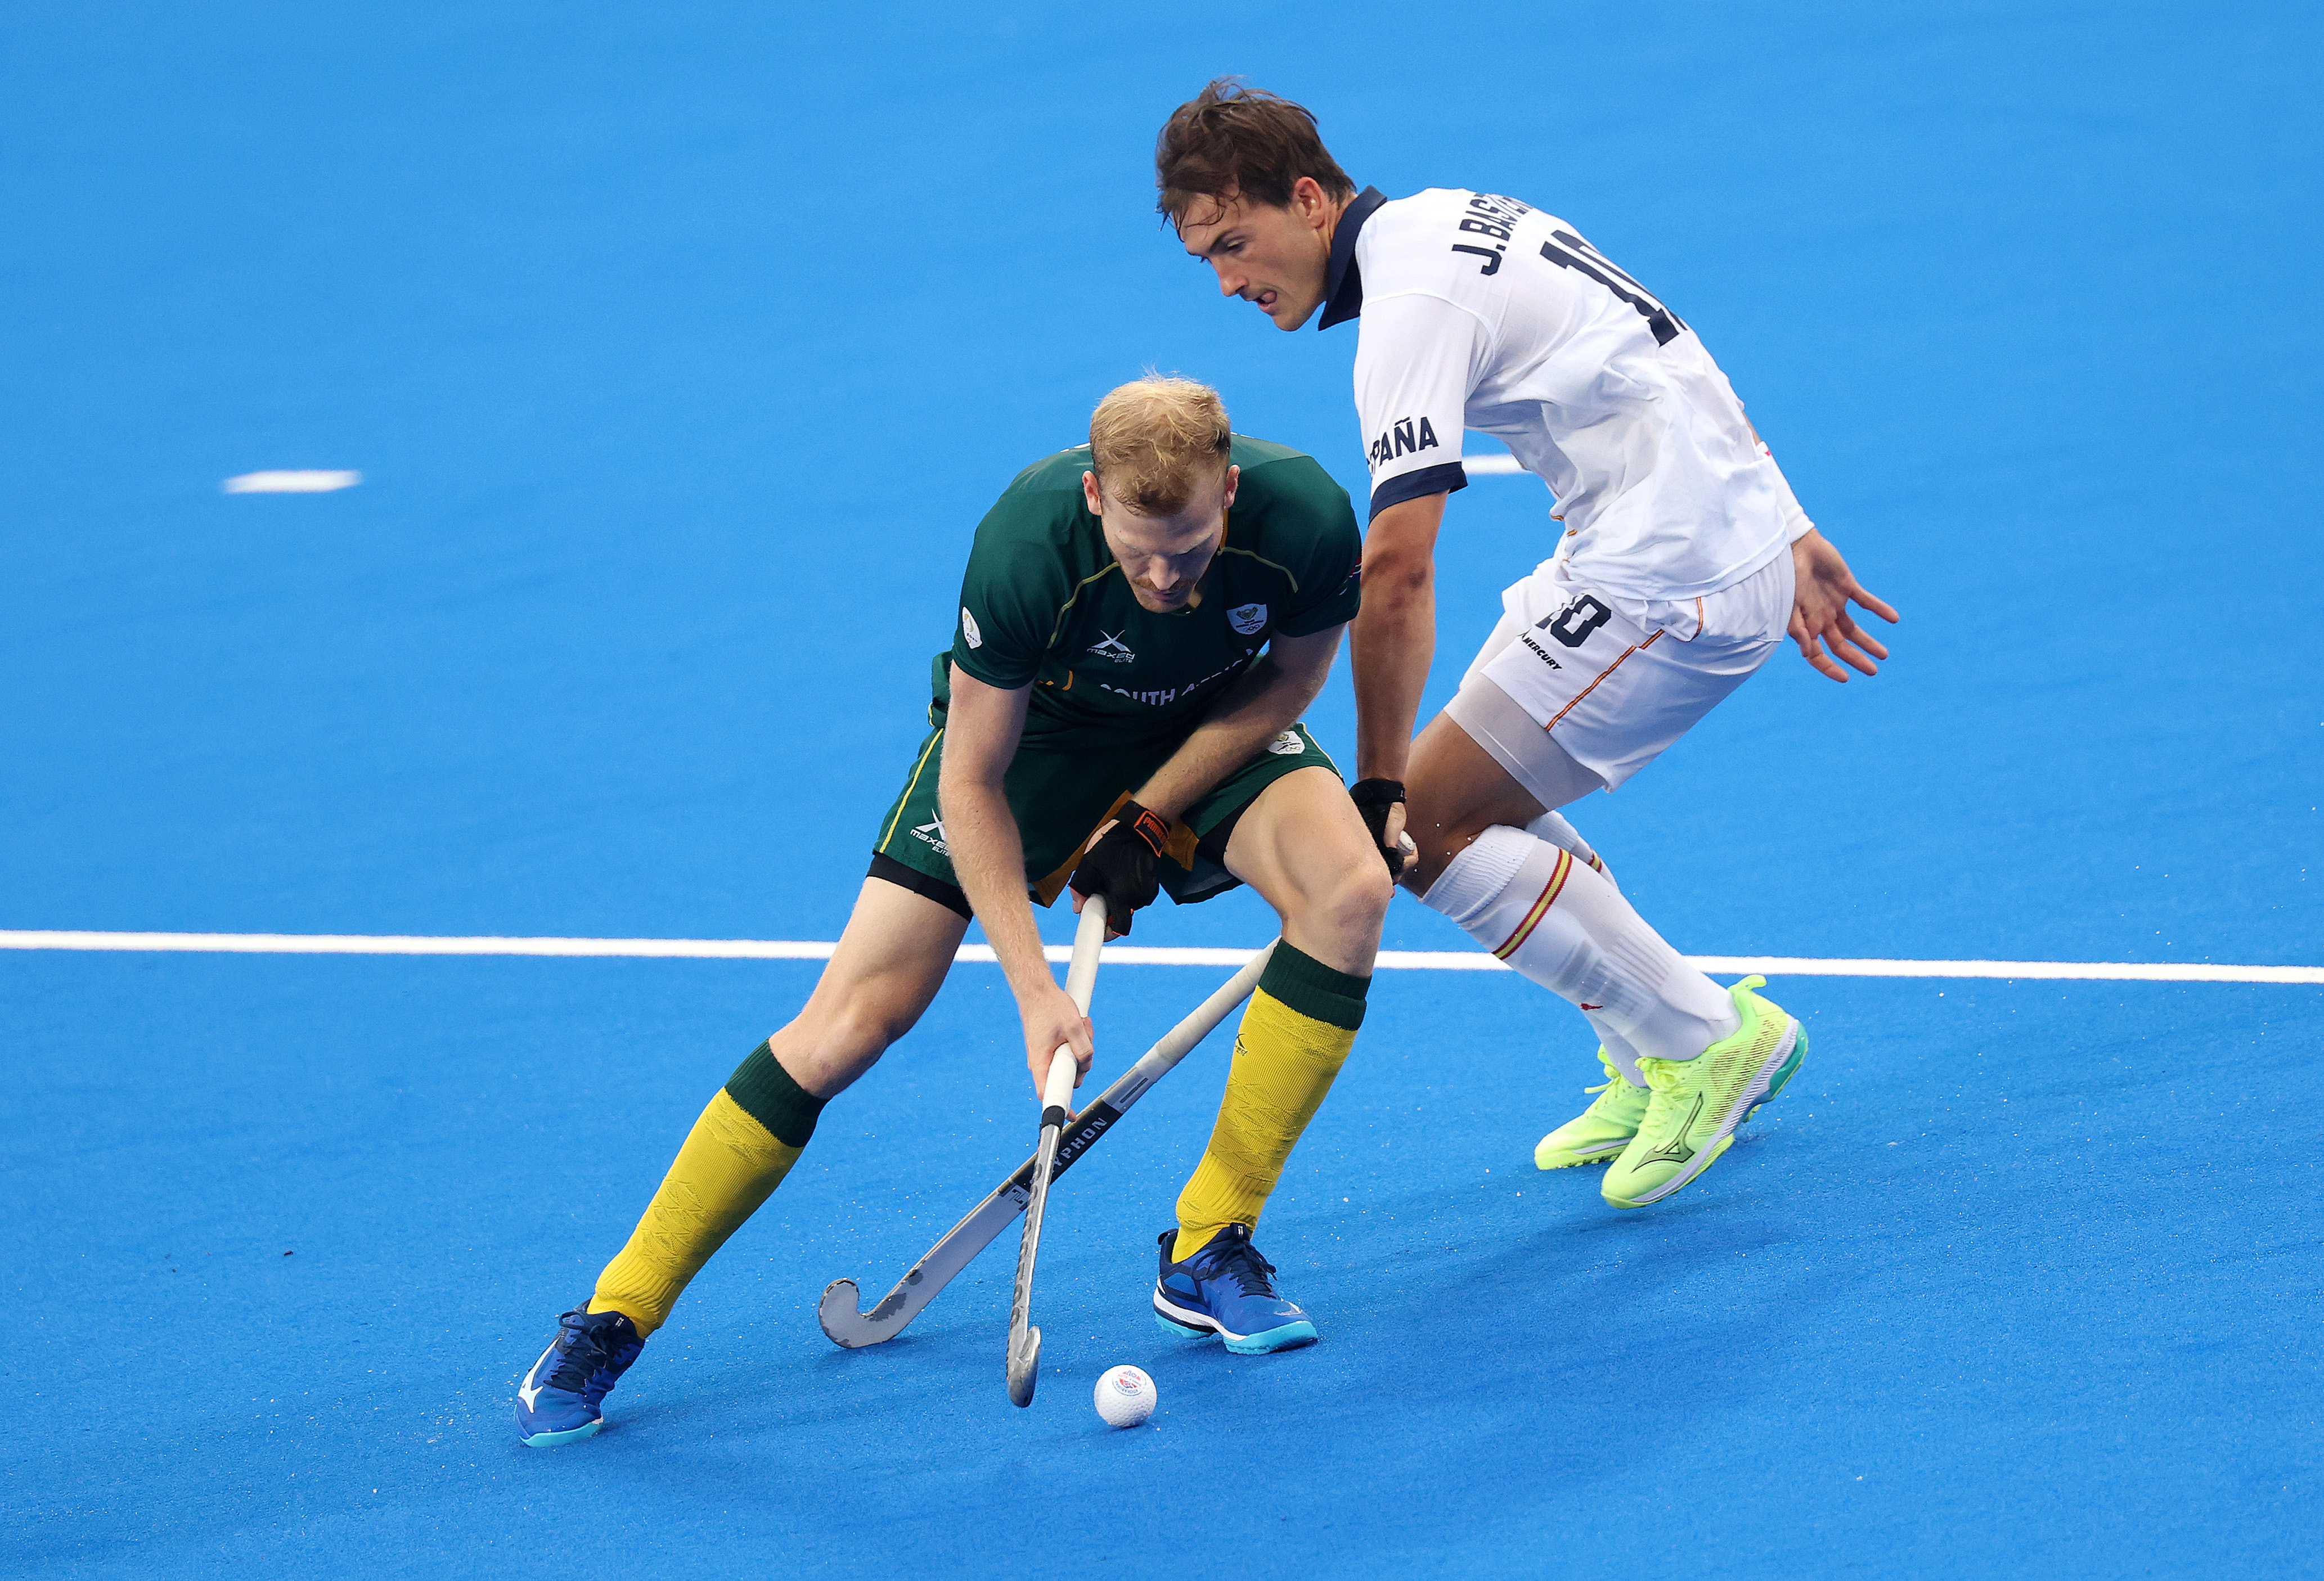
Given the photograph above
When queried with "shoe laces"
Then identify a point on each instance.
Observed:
(583, 1351)
(1252, 1273)
(1615, 1082)
(1663, 1075)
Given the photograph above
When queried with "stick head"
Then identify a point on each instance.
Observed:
(1025, 1368)
(846, 1323)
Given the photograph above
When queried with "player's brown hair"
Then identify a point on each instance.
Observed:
(1154, 440)
(1230, 141)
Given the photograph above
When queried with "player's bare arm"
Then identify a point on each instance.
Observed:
(989, 855)
(1256, 709)
(1395, 638)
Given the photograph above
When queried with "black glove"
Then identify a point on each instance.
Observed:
(1373, 798)
(1120, 866)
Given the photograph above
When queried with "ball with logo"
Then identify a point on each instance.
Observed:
(1125, 1397)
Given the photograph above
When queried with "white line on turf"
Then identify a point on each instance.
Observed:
(291, 483)
(2165, 972)
(1491, 463)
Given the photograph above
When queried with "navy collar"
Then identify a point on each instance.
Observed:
(1343, 282)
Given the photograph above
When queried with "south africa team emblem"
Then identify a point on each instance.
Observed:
(1247, 619)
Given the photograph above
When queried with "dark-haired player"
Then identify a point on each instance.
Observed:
(1685, 559)
(1142, 621)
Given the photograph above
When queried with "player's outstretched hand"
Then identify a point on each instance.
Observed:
(1120, 866)
(1052, 1022)
(1822, 589)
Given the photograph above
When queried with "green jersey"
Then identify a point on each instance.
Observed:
(1044, 603)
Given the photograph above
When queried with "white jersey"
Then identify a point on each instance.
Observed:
(1480, 312)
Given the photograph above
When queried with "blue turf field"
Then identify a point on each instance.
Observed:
(679, 353)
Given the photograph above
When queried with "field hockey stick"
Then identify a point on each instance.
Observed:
(1056, 1108)
(841, 1314)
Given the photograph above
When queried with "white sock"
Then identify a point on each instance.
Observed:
(1567, 928)
(1553, 828)
(1618, 1047)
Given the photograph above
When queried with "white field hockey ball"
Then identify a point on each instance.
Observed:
(1125, 1397)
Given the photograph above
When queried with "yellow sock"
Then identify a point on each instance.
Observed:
(732, 1160)
(1294, 1038)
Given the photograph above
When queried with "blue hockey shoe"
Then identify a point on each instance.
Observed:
(558, 1399)
(1227, 1289)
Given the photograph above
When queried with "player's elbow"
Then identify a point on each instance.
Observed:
(1396, 576)
(961, 782)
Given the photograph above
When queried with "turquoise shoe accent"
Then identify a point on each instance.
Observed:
(1782, 1077)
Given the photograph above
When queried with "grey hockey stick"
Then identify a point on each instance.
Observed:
(1056, 1108)
(840, 1313)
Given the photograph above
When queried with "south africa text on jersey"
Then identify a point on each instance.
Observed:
(1163, 696)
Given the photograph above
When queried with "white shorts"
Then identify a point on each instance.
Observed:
(1572, 675)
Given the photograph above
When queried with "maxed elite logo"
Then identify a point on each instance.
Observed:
(1109, 645)
(1247, 619)
(932, 833)
(1401, 439)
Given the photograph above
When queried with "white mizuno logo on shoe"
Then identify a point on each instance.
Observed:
(530, 1391)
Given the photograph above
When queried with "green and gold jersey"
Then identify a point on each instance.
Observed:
(1044, 603)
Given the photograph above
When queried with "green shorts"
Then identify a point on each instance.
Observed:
(1059, 799)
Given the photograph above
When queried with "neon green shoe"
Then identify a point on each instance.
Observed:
(1601, 1131)
(1697, 1103)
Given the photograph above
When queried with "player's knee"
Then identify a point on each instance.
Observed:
(865, 1030)
(1356, 901)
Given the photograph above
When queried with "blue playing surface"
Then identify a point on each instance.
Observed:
(680, 349)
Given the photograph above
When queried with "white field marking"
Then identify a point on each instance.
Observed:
(1490, 464)
(2167, 971)
(291, 483)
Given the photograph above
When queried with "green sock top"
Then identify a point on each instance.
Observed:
(769, 1095)
(1313, 988)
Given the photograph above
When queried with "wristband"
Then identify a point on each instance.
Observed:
(1151, 827)
(1373, 798)
(1119, 864)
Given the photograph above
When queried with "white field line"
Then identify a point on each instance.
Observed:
(1116, 954)
(291, 483)
(1492, 463)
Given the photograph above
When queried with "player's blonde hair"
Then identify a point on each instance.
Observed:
(1154, 440)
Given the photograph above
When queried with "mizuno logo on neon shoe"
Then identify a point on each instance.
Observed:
(1676, 1150)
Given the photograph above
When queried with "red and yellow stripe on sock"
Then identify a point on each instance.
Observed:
(1539, 909)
